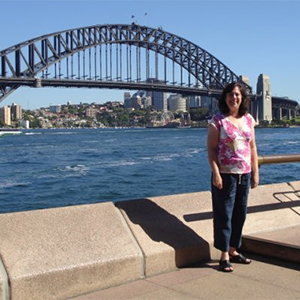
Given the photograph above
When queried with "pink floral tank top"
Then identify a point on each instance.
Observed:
(234, 153)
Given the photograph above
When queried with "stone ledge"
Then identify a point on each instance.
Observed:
(272, 207)
(271, 248)
(4, 288)
(62, 252)
(166, 238)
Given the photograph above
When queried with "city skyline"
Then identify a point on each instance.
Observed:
(259, 37)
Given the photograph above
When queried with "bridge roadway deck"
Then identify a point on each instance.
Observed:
(266, 277)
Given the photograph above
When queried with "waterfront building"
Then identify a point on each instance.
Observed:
(5, 115)
(91, 112)
(177, 103)
(25, 124)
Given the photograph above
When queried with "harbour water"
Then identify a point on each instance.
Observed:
(52, 168)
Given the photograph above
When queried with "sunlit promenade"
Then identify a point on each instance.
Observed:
(265, 278)
(156, 248)
(273, 274)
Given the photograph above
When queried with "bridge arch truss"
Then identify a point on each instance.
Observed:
(113, 56)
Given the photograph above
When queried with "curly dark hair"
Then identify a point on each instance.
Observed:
(244, 107)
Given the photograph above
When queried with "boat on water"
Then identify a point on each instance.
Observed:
(184, 127)
(8, 131)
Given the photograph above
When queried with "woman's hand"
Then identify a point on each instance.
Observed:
(212, 148)
(254, 180)
(217, 181)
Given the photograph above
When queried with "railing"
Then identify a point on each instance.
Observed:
(278, 159)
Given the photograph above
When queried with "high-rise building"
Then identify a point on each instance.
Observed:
(136, 101)
(16, 112)
(194, 101)
(5, 115)
(146, 101)
(159, 99)
(127, 97)
(177, 103)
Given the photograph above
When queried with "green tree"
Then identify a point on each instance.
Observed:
(123, 119)
(35, 123)
(105, 118)
(148, 117)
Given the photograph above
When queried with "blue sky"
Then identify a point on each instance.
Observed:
(250, 37)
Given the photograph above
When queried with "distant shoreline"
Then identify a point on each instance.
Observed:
(13, 130)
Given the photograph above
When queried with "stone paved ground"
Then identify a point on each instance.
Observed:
(264, 278)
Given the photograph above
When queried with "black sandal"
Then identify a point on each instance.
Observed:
(240, 259)
(225, 266)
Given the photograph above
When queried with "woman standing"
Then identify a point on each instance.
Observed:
(232, 155)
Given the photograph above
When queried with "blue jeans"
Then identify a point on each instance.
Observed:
(230, 210)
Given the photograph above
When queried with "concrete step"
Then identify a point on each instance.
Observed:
(281, 244)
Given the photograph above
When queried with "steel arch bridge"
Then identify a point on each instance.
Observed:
(113, 56)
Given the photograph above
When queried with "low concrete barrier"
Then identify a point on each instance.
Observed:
(165, 237)
(63, 252)
(273, 207)
(4, 287)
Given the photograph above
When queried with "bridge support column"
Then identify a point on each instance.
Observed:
(254, 108)
(263, 89)
(279, 113)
